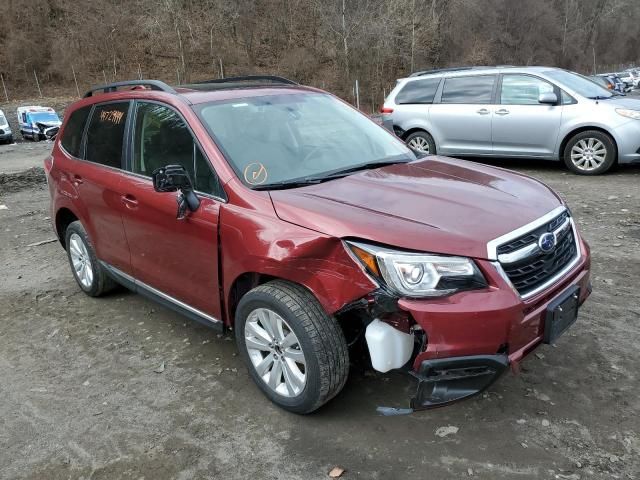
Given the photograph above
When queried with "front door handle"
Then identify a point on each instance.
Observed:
(129, 201)
(483, 111)
(502, 111)
(77, 180)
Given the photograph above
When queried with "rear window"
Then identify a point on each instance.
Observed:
(105, 134)
(72, 137)
(475, 89)
(418, 91)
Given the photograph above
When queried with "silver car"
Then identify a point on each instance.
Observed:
(533, 112)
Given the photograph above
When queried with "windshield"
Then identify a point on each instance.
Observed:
(579, 84)
(47, 117)
(3, 121)
(277, 139)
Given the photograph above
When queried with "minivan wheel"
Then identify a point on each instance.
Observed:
(87, 270)
(590, 153)
(295, 352)
(421, 142)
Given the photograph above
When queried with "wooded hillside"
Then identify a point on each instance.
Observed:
(328, 43)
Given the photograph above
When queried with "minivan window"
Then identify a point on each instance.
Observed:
(162, 138)
(71, 139)
(301, 137)
(105, 134)
(476, 89)
(578, 84)
(418, 91)
(523, 90)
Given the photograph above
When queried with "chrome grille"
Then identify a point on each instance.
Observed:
(527, 266)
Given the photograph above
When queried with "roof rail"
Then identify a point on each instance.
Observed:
(113, 87)
(249, 78)
(440, 70)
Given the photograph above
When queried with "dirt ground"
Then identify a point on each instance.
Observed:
(80, 397)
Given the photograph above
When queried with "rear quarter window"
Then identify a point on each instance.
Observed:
(418, 91)
(71, 139)
(105, 135)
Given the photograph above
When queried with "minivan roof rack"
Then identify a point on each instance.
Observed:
(440, 70)
(113, 87)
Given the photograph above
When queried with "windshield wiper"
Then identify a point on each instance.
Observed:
(313, 180)
(301, 182)
(600, 97)
(364, 166)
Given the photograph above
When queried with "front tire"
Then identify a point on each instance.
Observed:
(87, 270)
(421, 142)
(590, 153)
(295, 352)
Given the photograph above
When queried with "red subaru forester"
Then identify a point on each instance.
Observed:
(280, 212)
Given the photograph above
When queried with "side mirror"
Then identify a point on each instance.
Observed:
(171, 178)
(174, 178)
(548, 98)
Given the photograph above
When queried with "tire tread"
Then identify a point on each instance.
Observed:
(326, 336)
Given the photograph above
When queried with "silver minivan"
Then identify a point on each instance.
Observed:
(533, 112)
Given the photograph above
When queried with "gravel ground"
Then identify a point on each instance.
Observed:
(81, 396)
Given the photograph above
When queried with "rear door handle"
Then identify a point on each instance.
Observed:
(129, 201)
(502, 111)
(483, 111)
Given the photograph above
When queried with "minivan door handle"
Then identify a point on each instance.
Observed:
(502, 111)
(129, 201)
(483, 111)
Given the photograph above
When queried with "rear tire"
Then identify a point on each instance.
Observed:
(295, 352)
(87, 270)
(421, 142)
(590, 153)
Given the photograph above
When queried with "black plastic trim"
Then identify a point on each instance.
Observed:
(113, 87)
(249, 78)
(161, 298)
(447, 380)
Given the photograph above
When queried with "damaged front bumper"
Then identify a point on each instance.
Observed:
(446, 380)
(471, 338)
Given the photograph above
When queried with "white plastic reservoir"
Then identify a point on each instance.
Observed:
(389, 347)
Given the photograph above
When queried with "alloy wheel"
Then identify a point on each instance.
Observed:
(588, 154)
(275, 352)
(80, 260)
(419, 143)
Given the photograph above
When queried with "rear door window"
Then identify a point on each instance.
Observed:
(418, 91)
(105, 135)
(477, 89)
(161, 138)
(72, 137)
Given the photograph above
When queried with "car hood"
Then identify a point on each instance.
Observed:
(624, 102)
(439, 205)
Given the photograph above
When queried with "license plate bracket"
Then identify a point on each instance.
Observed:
(562, 312)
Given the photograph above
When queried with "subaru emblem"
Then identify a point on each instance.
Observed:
(547, 242)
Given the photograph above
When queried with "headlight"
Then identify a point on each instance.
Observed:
(625, 112)
(416, 274)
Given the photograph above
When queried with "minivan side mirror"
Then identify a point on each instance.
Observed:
(174, 178)
(549, 98)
